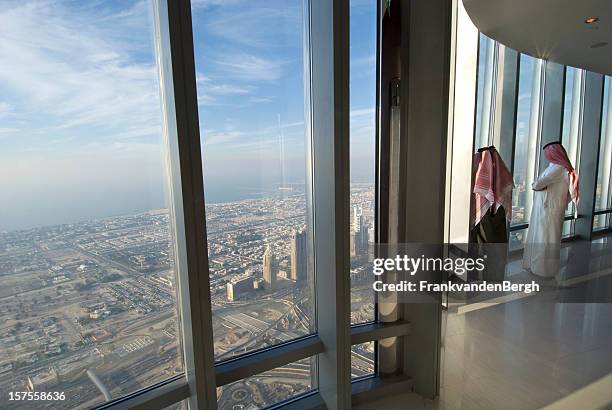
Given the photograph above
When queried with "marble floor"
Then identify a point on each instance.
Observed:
(527, 353)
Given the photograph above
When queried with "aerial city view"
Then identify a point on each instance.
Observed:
(89, 308)
(88, 294)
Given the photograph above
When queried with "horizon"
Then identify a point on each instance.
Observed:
(136, 212)
(81, 120)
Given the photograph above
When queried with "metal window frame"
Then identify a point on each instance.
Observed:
(603, 139)
(486, 127)
(608, 114)
(181, 134)
(175, 389)
(328, 115)
(377, 170)
(389, 189)
(575, 124)
(328, 123)
(174, 39)
(502, 106)
(261, 361)
(506, 102)
(540, 73)
(280, 355)
(550, 116)
(462, 122)
(553, 101)
(589, 103)
(180, 131)
(590, 129)
(159, 395)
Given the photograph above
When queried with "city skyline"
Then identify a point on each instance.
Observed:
(108, 288)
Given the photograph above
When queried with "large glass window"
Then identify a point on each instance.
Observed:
(571, 135)
(363, 14)
(87, 274)
(526, 141)
(572, 107)
(603, 192)
(485, 91)
(250, 79)
(363, 26)
(268, 388)
(362, 359)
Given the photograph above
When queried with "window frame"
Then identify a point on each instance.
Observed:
(607, 211)
(197, 385)
(552, 77)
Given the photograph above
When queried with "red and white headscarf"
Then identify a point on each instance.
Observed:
(492, 185)
(555, 154)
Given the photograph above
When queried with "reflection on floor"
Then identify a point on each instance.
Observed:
(526, 353)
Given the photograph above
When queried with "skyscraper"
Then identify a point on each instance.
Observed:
(357, 215)
(298, 255)
(359, 237)
(270, 268)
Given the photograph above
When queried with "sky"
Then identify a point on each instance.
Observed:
(80, 114)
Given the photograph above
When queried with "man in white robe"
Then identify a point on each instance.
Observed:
(554, 188)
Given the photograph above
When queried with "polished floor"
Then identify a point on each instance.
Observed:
(528, 352)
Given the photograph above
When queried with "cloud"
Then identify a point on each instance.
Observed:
(248, 67)
(299, 124)
(80, 70)
(362, 123)
(367, 60)
(258, 100)
(235, 137)
(212, 92)
(267, 25)
(5, 108)
(196, 4)
(362, 112)
(6, 130)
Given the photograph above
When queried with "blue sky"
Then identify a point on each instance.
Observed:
(80, 119)
(249, 63)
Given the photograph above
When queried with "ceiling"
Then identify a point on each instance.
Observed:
(551, 29)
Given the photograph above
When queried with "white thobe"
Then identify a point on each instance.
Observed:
(543, 243)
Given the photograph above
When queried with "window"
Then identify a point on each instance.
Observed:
(363, 82)
(602, 195)
(487, 51)
(91, 255)
(525, 153)
(250, 79)
(572, 108)
(268, 388)
(362, 359)
(87, 295)
(571, 135)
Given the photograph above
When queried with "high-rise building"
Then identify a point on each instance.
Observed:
(359, 236)
(237, 289)
(357, 217)
(270, 268)
(354, 243)
(298, 255)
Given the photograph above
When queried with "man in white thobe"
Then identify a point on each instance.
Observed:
(554, 188)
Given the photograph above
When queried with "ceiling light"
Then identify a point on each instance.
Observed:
(598, 45)
(591, 20)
